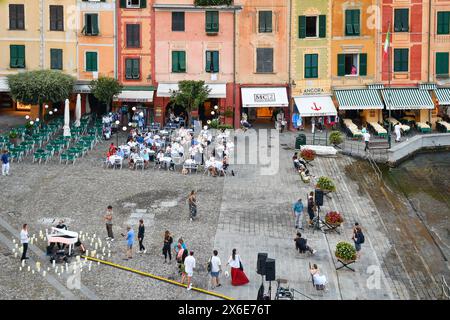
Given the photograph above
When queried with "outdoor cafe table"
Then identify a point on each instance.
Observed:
(166, 161)
(113, 158)
(217, 164)
(190, 164)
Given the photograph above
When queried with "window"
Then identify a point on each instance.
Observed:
(264, 60)
(56, 59)
(91, 24)
(212, 21)
(442, 61)
(57, 18)
(401, 20)
(265, 21)
(443, 22)
(17, 56)
(352, 64)
(133, 36)
(16, 17)
(312, 27)
(133, 70)
(212, 61)
(311, 66)
(401, 60)
(91, 61)
(352, 23)
(133, 4)
(177, 21)
(178, 61)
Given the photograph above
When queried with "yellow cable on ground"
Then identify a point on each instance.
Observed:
(146, 274)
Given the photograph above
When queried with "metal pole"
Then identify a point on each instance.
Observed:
(389, 92)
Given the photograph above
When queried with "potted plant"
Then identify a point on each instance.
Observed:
(336, 138)
(228, 114)
(326, 184)
(13, 137)
(308, 154)
(345, 252)
(334, 218)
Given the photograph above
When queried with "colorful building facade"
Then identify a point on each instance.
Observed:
(262, 59)
(194, 43)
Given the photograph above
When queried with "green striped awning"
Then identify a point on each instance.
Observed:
(398, 99)
(358, 99)
(427, 86)
(443, 96)
(375, 86)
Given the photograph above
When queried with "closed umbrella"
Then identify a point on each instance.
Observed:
(88, 106)
(67, 119)
(78, 111)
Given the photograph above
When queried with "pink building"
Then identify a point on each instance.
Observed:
(194, 43)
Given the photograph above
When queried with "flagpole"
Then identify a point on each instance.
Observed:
(389, 88)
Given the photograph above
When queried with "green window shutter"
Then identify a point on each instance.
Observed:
(94, 22)
(341, 65)
(21, 56)
(405, 58)
(268, 21)
(56, 59)
(175, 61)
(136, 69)
(397, 22)
(215, 60)
(208, 61)
(182, 60)
(13, 56)
(311, 66)
(401, 20)
(88, 24)
(123, 3)
(265, 21)
(128, 68)
(307, 66)
(363, 64)
(143, 3)
(315, 65)
(397, 59)
(442, 64)
(91, 61)
(443, 22)
(302, 27)
(348, 23)
(322, 26)
(212, 21)
(215, 22)
(356, 22)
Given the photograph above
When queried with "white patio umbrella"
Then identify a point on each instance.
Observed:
(88, 106)
(67, 119)
(78, 111)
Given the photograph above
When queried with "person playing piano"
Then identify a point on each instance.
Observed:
(61, 225)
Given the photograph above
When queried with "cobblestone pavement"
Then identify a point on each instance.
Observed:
(250, 212)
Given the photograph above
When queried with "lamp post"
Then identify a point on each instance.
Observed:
(117, 133)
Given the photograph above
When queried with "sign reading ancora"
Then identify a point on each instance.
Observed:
(264, 97)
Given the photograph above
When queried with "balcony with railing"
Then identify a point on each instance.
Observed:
(212, 3)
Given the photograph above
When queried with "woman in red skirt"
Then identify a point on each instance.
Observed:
(238, 276)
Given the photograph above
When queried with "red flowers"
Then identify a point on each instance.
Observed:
(308, 154)
(334, 217)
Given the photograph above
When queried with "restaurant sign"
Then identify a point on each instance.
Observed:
(313, 91)
(264, 97)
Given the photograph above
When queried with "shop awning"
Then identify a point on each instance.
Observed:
(358, 99)
(264, 97)
(443, 96)
(218, 90)
(427, 86)
(315, 106)
(136, 94)
(409, 99)
(81, 88)
(4, 84)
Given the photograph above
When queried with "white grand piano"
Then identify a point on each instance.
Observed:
(63, 236)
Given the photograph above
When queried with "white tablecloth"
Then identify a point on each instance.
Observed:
(217, 164)
(113, 158)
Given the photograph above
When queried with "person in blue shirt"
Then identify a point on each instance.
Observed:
(130, 242)
(298, 214)
(5, 163)
(120, 153)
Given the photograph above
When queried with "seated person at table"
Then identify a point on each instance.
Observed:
(225, 163)
(159, 156)
(140, 139)
(146, 157)
(169, 150)
(133, 155)
(319, 280)
(120, 153)
(300, 244)
(112, 149)
(154, 147)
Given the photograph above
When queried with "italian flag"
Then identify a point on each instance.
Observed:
(387, 42)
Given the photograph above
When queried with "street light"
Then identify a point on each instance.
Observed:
(50, 112)
(27, 117)
(117, 133)
(216, 107)
(55, 110)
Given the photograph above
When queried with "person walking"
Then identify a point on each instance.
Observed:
(366, 136)
(130, 242)
(189, 266)
(310, 209)
(398, 132)
(358, 239)
(238, 276)
(192, 200)
(141, 232)
(5, 163)
(297, 208)
(24, 240)
(216, 268)
(108, 220)
(168, 240)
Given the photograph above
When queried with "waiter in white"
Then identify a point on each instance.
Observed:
(24, 240)
(398, 133)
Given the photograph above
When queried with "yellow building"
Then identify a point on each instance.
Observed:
(28, 42)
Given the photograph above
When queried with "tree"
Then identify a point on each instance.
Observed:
(104, 89)
(190, 94)
(40, 86)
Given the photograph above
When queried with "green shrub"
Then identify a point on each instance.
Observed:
(214, 124)
(336, 138)
(326, 184)
(13, 134)
(345, 251)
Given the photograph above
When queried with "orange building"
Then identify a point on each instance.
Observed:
(135, 60)
(96, 46)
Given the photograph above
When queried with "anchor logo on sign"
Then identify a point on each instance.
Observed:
(316, 108)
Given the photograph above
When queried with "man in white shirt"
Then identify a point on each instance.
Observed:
(216, 268)
(398, 133)
(24, 240)
(366, 136)
(189, 265)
